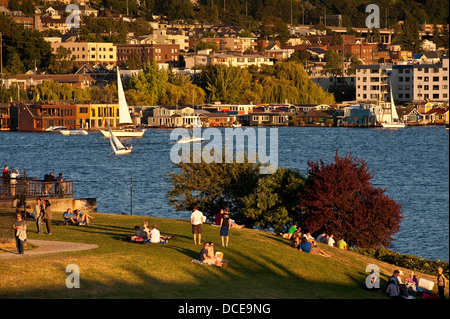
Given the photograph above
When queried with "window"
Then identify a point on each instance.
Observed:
(435, 78)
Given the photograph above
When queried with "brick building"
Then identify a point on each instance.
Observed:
(162, 53)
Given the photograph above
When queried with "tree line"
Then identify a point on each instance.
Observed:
(337, 198)
(311, 12)
(282, 82)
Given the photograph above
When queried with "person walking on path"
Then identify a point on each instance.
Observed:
(442, 283)
(225, 225)
(20, 227)
(196, 222)
(48, 216)
(38, 215)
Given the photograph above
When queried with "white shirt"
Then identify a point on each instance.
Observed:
(155, 236)
(331, 242)
(197, 217)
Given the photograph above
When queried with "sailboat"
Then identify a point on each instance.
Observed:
(395, 122)
(116, 145)
(124, 116)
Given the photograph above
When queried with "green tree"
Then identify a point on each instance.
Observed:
(62, 61)
(213, 186)
(225, 83)
(274, 203)
(14, 64)
(148, 86)
(409, 36)
(334, 63)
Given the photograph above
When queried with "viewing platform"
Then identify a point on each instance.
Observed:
(23, 192)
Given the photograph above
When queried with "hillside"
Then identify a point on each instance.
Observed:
(261, 266)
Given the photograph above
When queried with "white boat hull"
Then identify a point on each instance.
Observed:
(122, 152)
(394, 125)
(120, 133)
(190, 140)
(55, 128)
(74, 132)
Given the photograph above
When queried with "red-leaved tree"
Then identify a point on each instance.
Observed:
(341, 200)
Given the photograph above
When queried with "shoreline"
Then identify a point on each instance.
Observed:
(97, 130)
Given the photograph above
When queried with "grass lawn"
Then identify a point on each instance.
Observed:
(262, 266)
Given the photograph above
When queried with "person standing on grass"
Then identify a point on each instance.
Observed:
(38, 214)
(20, 227)
(48, 216)
(225, 225)
(442, 283)
(196, 222)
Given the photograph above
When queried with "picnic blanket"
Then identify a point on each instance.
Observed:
(197, 261)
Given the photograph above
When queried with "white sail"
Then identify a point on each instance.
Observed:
(394, 115)
(115, 142)
(124, 112)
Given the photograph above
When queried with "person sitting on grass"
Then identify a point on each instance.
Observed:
(308, 247)
(296, 238)
(341, 244)
(155, 236)
(69, 217)
(393, 289)
(207, 256)
(290, 232)
(83, 218)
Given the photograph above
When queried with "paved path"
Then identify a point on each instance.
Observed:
(48, 246)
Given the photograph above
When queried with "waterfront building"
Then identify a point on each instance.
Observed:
(372, 82)
(437, 115)
(265, 119)
(410, 82)
(360, 115)
(38, 117)
(173, 116)
(5, 117)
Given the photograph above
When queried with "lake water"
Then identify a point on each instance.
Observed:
(412, 164)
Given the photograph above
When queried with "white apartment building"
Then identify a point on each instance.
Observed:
(410, 82)
(431, 81)
(372, 82)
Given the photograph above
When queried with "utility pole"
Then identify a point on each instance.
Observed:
(1, 54)
(131, 196)
(291, 13)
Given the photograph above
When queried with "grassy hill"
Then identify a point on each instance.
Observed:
(262, 266)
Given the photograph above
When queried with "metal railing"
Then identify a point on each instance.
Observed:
(33, 188)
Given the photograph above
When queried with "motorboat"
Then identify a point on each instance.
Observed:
(55, 128)
(74, 132)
